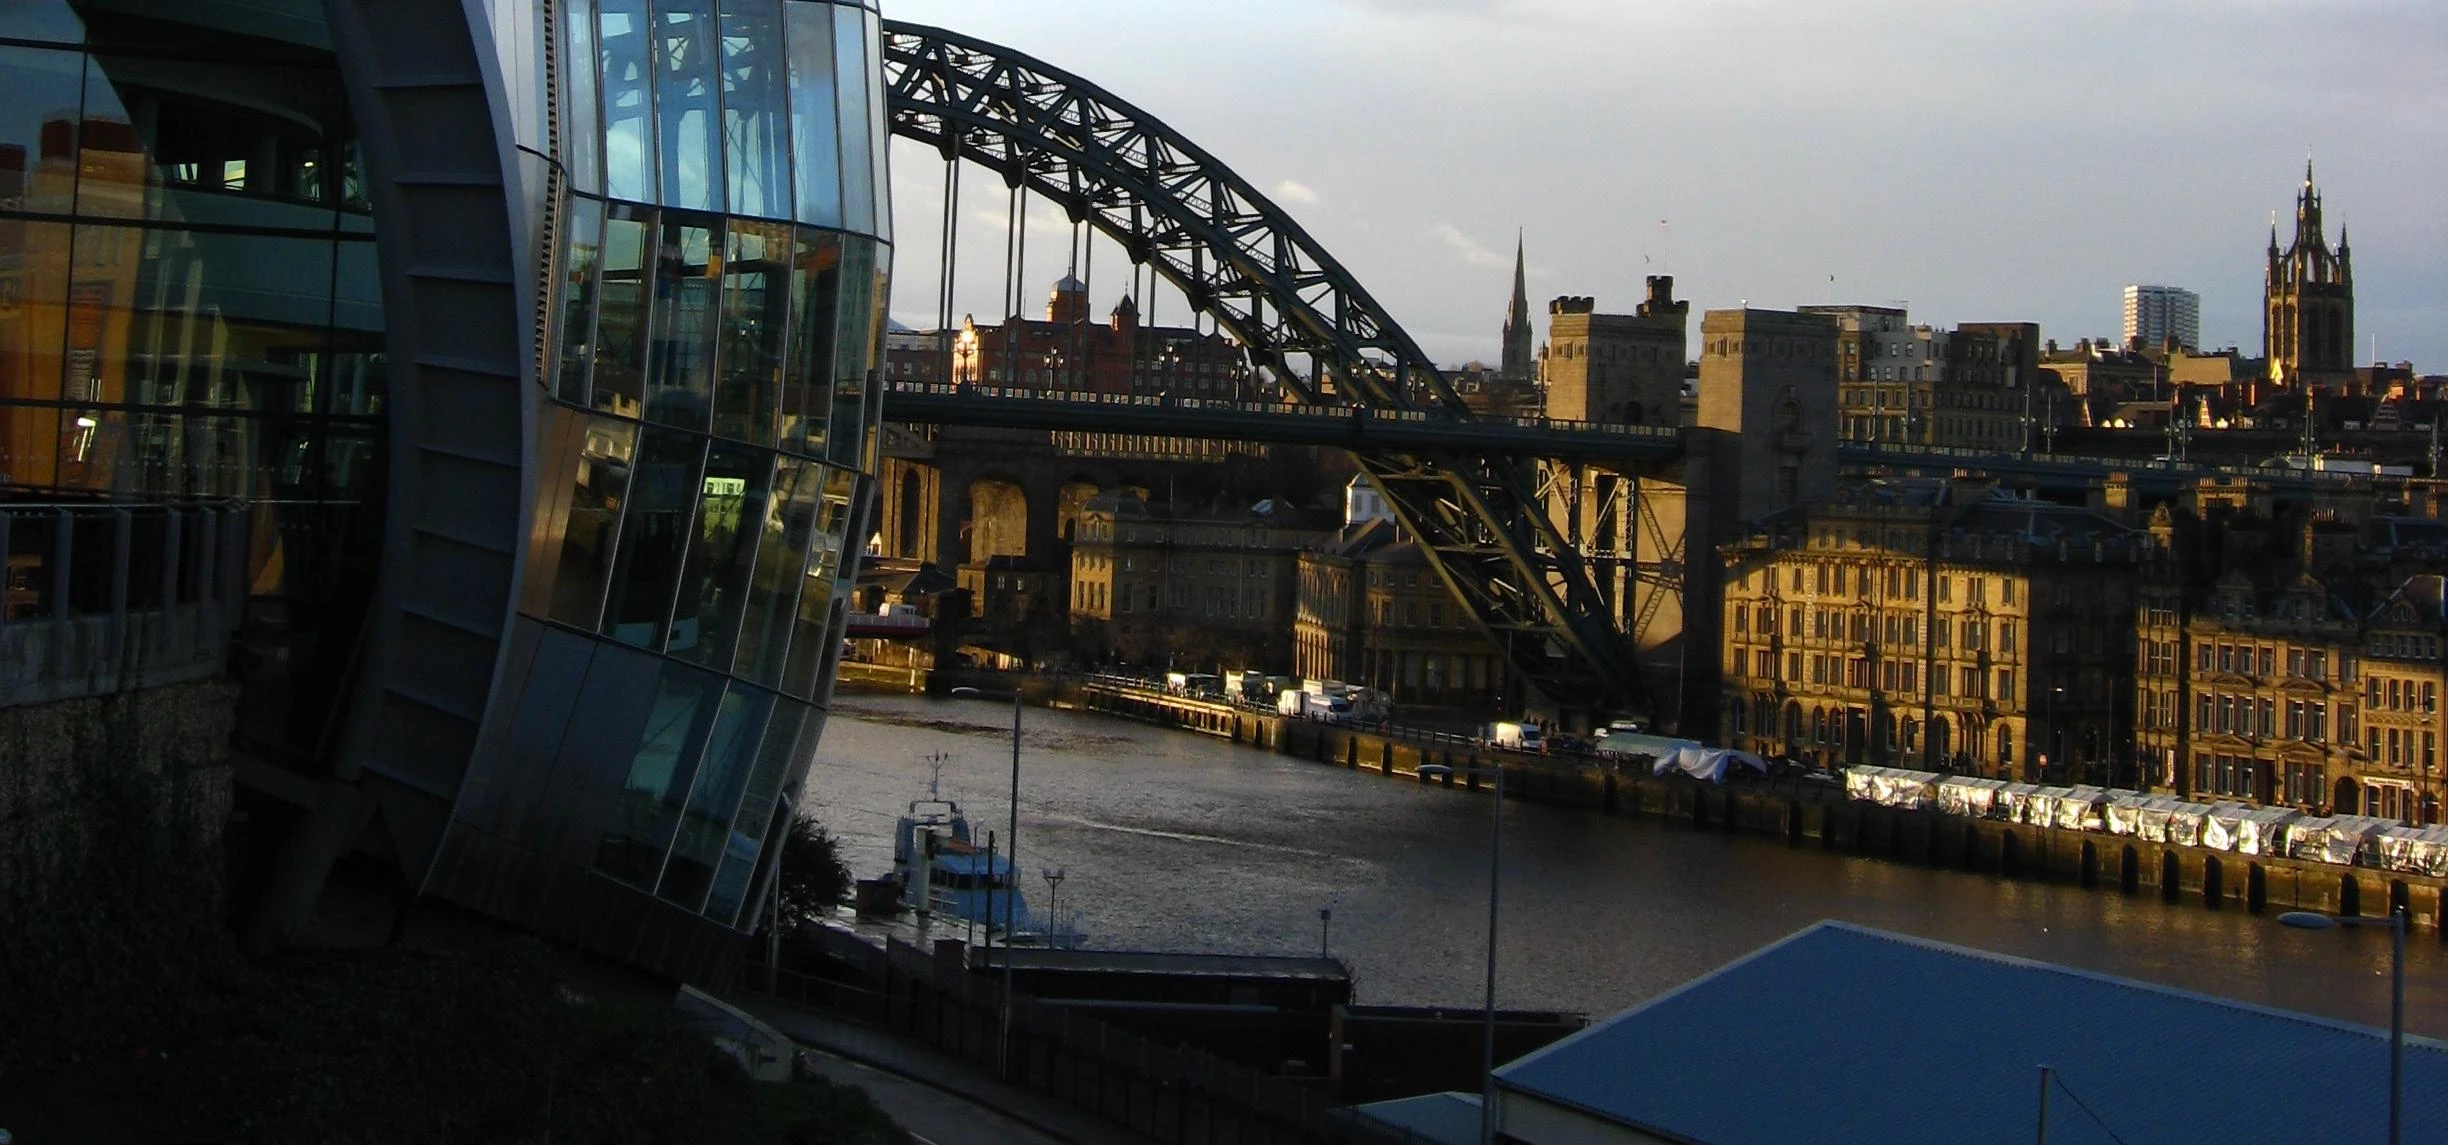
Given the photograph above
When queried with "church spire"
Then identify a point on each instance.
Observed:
(1517, 335)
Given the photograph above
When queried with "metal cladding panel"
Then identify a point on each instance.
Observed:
(454, 581)
(604, 730)
(455, 409)
(489, 797)
(459, 320)
(500, 878)
(1943, 1044)
(475, 503)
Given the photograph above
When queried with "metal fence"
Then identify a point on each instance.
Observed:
(102, 597)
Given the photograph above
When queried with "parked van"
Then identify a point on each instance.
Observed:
(1311, 706)
(1516, 737)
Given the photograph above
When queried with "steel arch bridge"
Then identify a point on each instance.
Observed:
(1244, 262)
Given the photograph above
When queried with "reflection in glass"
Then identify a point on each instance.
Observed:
(583, 265)
(628, 101)
(685, 49)
(680, 377)
(582, 118)
(713, 795)
(850, 78)
(756, 317)
(654, 542)
(816, 623)
(50, 20)
(599, 484)
(807, 395)
(619, 383)
(815, 130)
(759, 794)
(756, 116)
(781, 565)
(648, 806)
(879, 137)
(853, 353)
(30, 336)
(40, 100)
(720, 563)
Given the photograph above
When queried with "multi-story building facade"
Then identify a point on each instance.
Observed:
(2157, 315)
(1066, 350)
(1139, 570)
(1932, 623)
(2285, 657)
(539, 341)
(1971, 387)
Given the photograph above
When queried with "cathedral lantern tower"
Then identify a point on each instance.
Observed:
(2308, 301)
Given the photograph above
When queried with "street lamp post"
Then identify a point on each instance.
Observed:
(2396, 922)
(1487, 1043)
(1011, 857)
(1325, 921)
(1053, 878)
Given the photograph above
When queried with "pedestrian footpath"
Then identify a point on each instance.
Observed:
(918, 1062)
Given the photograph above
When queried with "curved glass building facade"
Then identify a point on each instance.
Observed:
(540, 340)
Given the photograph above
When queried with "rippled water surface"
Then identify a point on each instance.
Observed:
(1172, 841)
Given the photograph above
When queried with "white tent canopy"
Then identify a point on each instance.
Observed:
(1892, 786)
(1709, 763)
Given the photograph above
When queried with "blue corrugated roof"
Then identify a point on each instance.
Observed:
(1843, 1033)
(1432, 1119)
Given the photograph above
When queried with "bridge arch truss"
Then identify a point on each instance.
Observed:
(1245, 263)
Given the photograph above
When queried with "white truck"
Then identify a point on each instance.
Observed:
(1516, 737)
(1312, 706)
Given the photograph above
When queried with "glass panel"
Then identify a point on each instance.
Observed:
(879, 134)
(41, 92)
(760, 793)
(357, 324)
(648, 806)
(265, 145)
(34, 279)
(853, 353)
(583, 267)
(706, 622)
(685, 63)
(756, 316)
(654, 537)
(807, 392)
(705, 827)
(628, 101)
(680, 372)
(582, 117)
(40, 20)
(857, 139)
(201, 318)
(816, 137)
(781, 565)
(600, 480)
(815, 632)
(756, 108)
(619, 383)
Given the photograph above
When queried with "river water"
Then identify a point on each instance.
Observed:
(1173, 841)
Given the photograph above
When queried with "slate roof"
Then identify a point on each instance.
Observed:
(1843, 1033)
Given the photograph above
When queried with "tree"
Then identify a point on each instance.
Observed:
(814, 878)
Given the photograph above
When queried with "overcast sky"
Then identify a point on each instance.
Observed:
(1976, 161)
